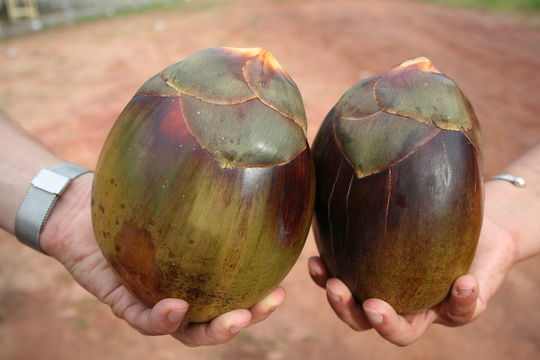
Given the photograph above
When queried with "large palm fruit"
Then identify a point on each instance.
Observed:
(205, 187)
(399, 187)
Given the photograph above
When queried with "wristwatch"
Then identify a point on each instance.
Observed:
(44, 191)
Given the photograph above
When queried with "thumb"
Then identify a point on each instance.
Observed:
(459, 308)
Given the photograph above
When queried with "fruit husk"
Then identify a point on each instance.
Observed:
(399, 187)
(205, 192)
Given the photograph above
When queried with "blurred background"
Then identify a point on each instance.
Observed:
(67, 68)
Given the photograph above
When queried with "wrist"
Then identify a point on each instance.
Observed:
(16, 183)
(66, 216)
(495, 255)
(498, 212)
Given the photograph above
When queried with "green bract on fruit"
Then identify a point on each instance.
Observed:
(205, 187)
(399, 187)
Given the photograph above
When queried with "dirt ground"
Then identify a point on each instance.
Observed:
(67, 86)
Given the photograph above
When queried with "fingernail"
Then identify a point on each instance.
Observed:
(236, 329)
(463, 292)
(174, 316)
(333, 295)
(374, 316)
(314, 270)
(269, 304)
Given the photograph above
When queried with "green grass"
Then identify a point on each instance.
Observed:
(512, 5)
(171, 6)
(175, 5)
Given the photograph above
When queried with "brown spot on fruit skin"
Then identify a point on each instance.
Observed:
(401, 201)
(135, 261)
(194, 293)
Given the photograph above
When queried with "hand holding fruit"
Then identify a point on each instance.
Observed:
(383, 182)
(467, 300)
(68, 237)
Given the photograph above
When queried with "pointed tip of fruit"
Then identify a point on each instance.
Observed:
(248, 52)
(271, 61)
(267, 58)
(422, 63)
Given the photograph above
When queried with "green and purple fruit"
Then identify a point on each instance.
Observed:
(205, 187)
(399, 187)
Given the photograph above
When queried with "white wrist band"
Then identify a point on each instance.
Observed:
(46, 187)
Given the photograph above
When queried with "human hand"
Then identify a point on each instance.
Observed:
(467, 299)
(68, 237)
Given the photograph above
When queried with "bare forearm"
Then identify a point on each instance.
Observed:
(518, 209)
(21, 157)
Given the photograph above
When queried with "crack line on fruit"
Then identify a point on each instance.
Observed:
(281, 113)
(332, 247)
(399, 113)
(156, 95)
(217, 102)
(447, 172)
(374, 92)
(347, 217)
(248, 82)
(353, 118)
(389, 189)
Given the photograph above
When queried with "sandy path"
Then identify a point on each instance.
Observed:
(67, 86)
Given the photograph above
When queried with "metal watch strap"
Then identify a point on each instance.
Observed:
(46, 187)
